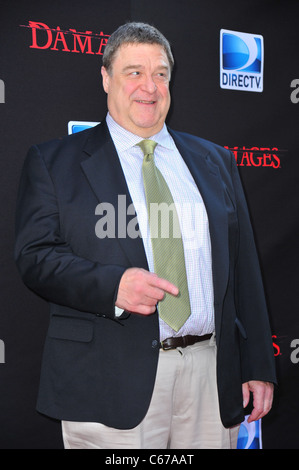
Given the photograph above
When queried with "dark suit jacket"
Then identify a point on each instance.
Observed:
(100, 368)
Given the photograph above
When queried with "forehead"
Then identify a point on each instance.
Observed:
(140, 54)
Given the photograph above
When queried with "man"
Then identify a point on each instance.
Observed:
(115, 370)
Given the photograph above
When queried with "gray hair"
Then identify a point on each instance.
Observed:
(134, 33)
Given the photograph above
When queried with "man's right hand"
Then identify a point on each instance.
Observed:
(140, 290)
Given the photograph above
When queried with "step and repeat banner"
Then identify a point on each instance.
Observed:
(236, 82)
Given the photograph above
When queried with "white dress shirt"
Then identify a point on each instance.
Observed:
(192, 215)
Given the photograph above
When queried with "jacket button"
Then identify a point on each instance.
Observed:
(155, 343)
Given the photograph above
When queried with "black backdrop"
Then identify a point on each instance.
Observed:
(47, 86)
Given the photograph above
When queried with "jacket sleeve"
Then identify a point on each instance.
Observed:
(45, 260)
(257, 356)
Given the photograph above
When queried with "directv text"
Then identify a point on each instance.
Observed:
(241, 81)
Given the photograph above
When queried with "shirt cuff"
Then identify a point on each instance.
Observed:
(118, 311)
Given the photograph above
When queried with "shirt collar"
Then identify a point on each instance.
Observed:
(124, 139)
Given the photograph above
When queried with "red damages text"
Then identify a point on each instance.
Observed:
(70, 40)
(256, 156)
(276, 347)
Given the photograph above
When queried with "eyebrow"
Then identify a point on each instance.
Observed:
(129, 67)
(139, 66)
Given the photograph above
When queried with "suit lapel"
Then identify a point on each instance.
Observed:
(208, 180)
(103, 171)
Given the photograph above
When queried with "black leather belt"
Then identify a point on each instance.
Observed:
(182, 341)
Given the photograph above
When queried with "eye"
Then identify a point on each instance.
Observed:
(162, 75)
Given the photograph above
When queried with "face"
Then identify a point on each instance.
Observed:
(138, 88)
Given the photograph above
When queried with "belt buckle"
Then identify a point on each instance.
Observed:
(164, 346)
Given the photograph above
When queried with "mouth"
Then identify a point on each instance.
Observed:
(145, 102)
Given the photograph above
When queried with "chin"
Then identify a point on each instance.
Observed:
(150, 126)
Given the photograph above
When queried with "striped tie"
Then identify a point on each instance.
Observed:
(167, 245)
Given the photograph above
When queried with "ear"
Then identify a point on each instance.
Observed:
(105, 77)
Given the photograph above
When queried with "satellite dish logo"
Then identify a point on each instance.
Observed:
(241, 61)
(250, 435)
(78, 126)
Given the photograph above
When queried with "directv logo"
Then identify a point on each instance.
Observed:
(78, 126)
(241, 61)
(250, 435)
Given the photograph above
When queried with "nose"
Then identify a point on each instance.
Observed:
(148, 84)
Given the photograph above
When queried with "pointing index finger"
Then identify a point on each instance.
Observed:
(165, 285)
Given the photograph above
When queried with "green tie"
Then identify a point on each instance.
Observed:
(167, 245)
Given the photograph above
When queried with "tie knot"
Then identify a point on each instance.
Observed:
(147, 146)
